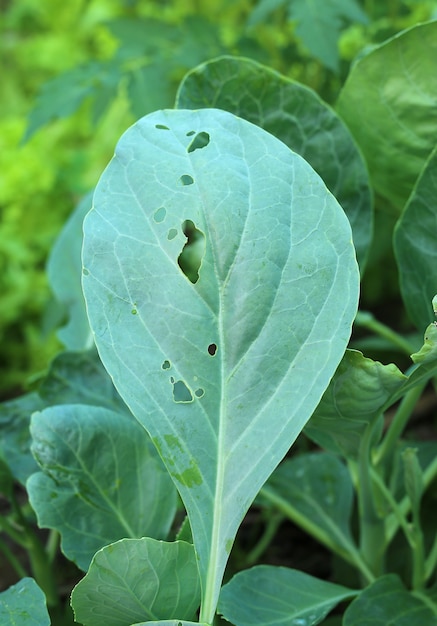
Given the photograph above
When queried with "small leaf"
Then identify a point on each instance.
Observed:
(23, 604)
(389, 102)
(101, 481)
(277, 596)
(386, 602)
(414, 483)
(297, 116)
(428, 352)
(316, 492)
(358, 391)
(138, 580)
(414, 244)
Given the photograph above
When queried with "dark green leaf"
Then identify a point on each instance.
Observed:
(23, 604)
(277, 596)
(138, 580)
(387, 603)
(101, 481)
(298, 117)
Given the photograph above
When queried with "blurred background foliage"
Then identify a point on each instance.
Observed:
(75, 75)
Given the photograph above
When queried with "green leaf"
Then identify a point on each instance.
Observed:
(315, 490)
(385, 602)
(414, 484)
(389, 102)
(297, 116)
(356, 395)
(414, 244)
(137, 580)
(428, 352)
(64, 270)
(223, 372)
(101, 480)
(23, 604)
(267, 596)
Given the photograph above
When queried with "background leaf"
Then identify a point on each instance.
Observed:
(101, 481)
(389, 102)
(267, 596)
(414, 244)
(23, 604)
(218, 370)
(137, 580)
(297, 116)
(387, 601)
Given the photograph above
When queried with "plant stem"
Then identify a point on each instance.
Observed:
(398, 424)
(367, 320)
(273, 522)
(431, 561)
(15, 563)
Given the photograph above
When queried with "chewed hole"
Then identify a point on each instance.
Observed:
(186, 179)
(166, 365)
(85, 272)
(190, 259)
(191, 133)
(172, 233)
(201, 140)
(199, 393)
(181, 393)
(161, 127)
(159, 215)
(212, 349)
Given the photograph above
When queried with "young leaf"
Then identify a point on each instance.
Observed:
(389, 102)
(387, 601)
(223, 371)
(23, 604)
(297, 116)
(356, 394)
(138, 580)
(414, 245)
(277, 596)
(315, 490)
(101, 480)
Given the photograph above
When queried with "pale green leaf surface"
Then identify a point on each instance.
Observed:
(23, 604)
(389, 102)
(278, 596)
(138, 580)
(101, 480)
(316, 491)
(170, 622)
(414, 245)
(297, 116)
(64, 270)
(223, 372)
(386, 602)
(428, 352)
(358, 391)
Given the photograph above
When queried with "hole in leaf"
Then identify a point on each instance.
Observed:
(181, 393)
(172, 234)
(161, 127)
(186, 179)
(212, 349)
(199, 392)
(191, 133)
(190, 259)
(85, 272)
(166, 365)
(159, 215)
(201, 140)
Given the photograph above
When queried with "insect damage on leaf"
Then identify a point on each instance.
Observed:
(190, 259)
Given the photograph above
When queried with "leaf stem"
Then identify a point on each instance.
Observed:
(15, 563)
(274, 520)
(364, 319)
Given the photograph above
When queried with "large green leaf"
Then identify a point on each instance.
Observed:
(414, 244)
(387, 601)
(315, 490)
(224, 371)
(23, 604)
(297, 116)
(137, 580)
(278, 596)
(357, 393)
(101, 480)
(389, 102)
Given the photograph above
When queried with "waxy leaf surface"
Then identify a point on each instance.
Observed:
(101, 479)
(297, 116)
(415, 246)
(137, 580)
(223, 371)
(278, 596)
(389, 102)
(23, 604)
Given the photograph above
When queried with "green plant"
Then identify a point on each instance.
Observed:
(221, 285)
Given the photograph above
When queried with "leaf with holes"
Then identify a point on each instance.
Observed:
(225, 363)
